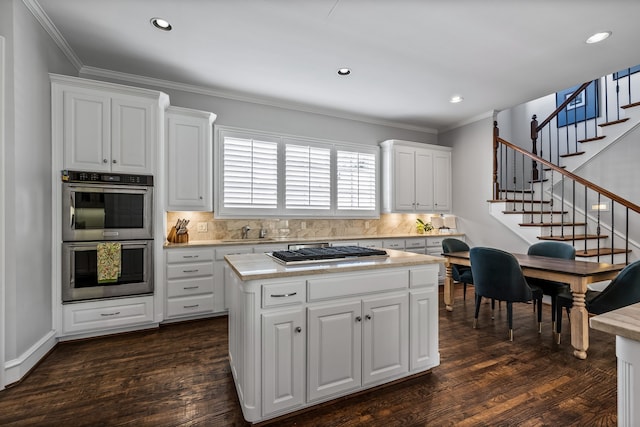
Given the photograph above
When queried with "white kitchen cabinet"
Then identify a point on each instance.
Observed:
(91, 318)
(415, 177)
(283, 358)
(105, 127)
(335, 349)
(424, 331)
(189, 283)
(189, 160)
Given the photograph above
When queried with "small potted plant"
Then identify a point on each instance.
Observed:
(422, 226)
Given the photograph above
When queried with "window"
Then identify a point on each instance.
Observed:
(356, 180)
(261, 174)
(250, 173)
(307, 177)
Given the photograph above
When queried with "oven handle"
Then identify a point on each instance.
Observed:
(99, 188)
(72, 211)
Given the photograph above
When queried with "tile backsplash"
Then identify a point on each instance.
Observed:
(204, 226)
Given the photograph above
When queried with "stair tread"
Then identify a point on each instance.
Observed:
(596, 138)
(634, 104)
(601, 251)
(521, 212)
(615, 122)
(577, 153)
(532, 181)
(517, 191)
(518, 201)
(567, 237)
(553, 224)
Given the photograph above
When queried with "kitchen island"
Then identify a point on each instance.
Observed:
(304, 334)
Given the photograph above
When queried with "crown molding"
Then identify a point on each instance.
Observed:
(40, 15)
(482, 116)
(202, 90)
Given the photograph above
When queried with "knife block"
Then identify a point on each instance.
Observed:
(174, 237)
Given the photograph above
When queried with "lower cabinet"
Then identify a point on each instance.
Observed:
(106, 316)
(189, 283)
(299, 341)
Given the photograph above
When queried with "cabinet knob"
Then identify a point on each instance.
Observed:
(115, 161)
(358, 319)
(368, 317)
(104, 160)
(200, 197)
(298, 329)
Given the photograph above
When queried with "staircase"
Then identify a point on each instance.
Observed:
(557, 204)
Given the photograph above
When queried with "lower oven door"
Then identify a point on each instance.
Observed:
(80, 271)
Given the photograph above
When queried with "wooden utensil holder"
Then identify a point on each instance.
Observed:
(174, 237)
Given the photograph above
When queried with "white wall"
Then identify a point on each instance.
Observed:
(31, 55)
(472, 165)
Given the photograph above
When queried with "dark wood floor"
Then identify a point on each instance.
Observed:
(178, 375)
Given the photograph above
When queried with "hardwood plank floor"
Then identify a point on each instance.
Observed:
(178, 375)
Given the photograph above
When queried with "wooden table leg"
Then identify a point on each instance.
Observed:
(448, 288)
(579, 321)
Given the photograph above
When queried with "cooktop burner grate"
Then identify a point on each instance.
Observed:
(334, 253)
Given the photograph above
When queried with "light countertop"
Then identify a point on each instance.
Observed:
(624, 322)
(285, 240)
(262, 266)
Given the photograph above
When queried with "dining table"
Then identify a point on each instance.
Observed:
(576, 273)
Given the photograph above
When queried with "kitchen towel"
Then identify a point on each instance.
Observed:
(109, 261)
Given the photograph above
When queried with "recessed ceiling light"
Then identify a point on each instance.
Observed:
(344, 71)
(161, 24)
(598, 37)
(456, 99)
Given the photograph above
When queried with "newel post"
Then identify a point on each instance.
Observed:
(496, 184)
(534, 150)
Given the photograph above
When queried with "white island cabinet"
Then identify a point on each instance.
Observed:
(302, 335)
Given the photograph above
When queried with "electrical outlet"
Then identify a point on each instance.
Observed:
(202, 227)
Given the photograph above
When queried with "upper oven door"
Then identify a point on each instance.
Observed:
(106, 212)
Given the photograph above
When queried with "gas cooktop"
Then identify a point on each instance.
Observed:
(326, 254)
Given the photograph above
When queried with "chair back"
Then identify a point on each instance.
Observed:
(553, 250)
(455, 245)
(624, 290)
(497, 274)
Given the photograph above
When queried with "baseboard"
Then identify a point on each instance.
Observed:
(17, 368)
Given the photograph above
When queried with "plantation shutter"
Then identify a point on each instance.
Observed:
(307, 177)
(356, 180)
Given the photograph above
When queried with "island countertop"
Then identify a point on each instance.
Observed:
(624, 322)
(262, 266)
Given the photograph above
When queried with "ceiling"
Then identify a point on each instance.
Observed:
(408, 57)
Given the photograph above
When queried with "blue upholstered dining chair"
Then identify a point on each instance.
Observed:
(460, 273)
(497, 275)
(553, 250)
(624, 290)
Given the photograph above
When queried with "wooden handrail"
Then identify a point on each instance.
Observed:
(624, 202)
(563, 105)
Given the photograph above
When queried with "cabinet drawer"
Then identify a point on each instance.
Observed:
(394, 244)
(222, 252)
(283, 293)
(191, 255)
(186, 287)
(190, 305)
(435, 241)
(356, 284)
(415, 243)
(108, 314)
(371, 244)
(182, 271)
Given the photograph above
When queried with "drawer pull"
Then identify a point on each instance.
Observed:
(191, 306)
(190, 256)
(190, 287)
(190, 271)
(284, 295)
(109, 314)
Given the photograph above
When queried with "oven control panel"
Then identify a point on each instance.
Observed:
(101, 177)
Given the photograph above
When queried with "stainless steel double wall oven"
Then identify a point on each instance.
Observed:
(105, 207)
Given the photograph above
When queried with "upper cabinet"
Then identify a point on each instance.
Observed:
(415, 177)
(106, 127)
(189, 160)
